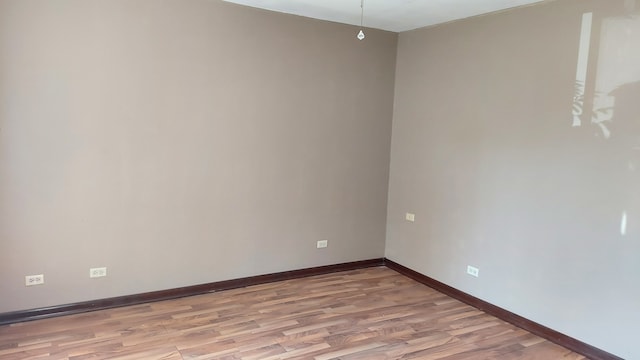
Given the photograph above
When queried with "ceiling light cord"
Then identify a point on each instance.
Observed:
(361, 33)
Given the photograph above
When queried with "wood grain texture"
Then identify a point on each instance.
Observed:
(373, 313)
(68, 309)
(559, 338)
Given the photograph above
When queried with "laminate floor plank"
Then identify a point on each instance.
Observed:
(373, 314)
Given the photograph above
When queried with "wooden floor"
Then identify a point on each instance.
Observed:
(369, 314)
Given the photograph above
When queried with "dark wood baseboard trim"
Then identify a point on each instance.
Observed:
(570, 343)
(561, 339)
(86, 306)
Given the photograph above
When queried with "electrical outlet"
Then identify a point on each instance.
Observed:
(30, 280)
(410, 217)
(473, 271)
(322, 244)
(97, 272)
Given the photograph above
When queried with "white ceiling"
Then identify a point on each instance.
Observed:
(391, 15)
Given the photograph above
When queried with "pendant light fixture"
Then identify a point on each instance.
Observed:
(361, 33)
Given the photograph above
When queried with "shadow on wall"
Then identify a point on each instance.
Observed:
(609, 85)
(625, 122)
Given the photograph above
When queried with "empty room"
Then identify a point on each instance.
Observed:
(311, 179)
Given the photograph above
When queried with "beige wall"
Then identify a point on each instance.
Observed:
(484, 153)
(183, 142)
